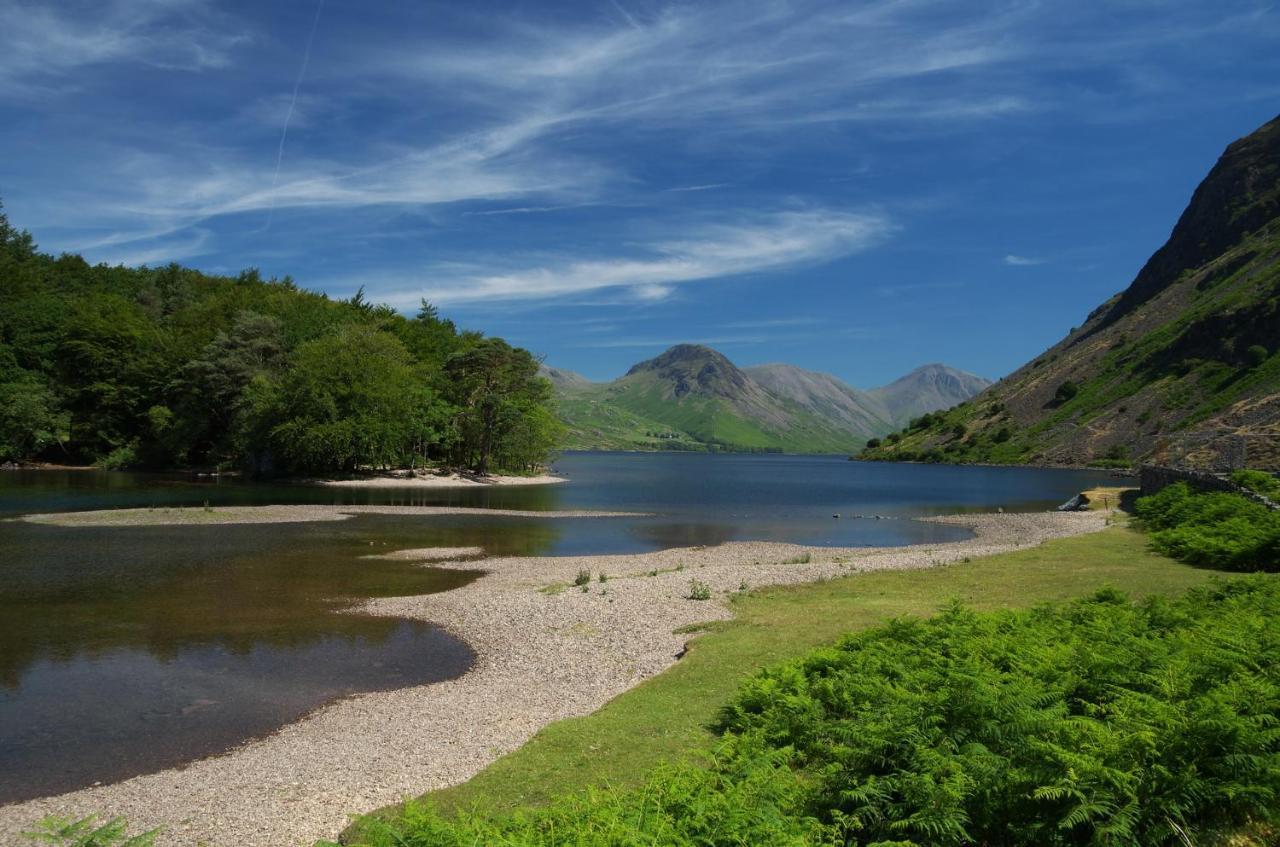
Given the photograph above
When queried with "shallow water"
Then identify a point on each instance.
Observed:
(128, 649)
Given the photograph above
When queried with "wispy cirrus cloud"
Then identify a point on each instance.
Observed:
(652, 271)
(42, 43)
(485, 124)
(1017, 261)
(524, 86)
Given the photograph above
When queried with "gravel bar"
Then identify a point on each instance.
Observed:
(542, 655)
(211, 515)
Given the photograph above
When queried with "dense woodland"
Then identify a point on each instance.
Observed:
(169, 367)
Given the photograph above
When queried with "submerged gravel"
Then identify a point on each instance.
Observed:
(542, 655)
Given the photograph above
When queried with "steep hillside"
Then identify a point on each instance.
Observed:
(693, 398)
(1181, 367)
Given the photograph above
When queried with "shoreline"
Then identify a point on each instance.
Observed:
(303, 513)
(542, 655)
(432, 480)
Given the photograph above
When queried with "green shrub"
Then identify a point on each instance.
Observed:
(699, 590)
(1256, 355)
(1260, 482)
(1066, 391)
(1212, 529)
(583, 577)
(1100, 722)
(88, 832)
(1002, 435)
(873, 443)
(120, 458)
(1094, 723)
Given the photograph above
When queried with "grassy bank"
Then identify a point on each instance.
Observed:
(668, 717)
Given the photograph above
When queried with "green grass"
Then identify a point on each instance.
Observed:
(668, 717)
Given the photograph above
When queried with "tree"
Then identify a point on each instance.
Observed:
(166, 367)
(347, 400)
(16, 243)
(1066, 391)
(1256, 355)
(30, 419)
(493, 386)
(212, 387)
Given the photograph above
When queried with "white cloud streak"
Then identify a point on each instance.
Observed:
(42, 43)
(774, 242)
(1023, 261)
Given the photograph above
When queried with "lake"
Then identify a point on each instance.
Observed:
(124, 650)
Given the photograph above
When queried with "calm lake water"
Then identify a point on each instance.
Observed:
(125, 650)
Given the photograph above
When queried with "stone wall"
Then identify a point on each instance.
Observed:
(1154, 478)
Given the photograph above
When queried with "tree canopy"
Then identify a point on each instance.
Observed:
(169, 367)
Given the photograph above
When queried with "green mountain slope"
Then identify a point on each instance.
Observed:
(693, 398)
(1181, 367)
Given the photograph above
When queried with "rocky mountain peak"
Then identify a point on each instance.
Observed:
(1240, 194)
(693, 368)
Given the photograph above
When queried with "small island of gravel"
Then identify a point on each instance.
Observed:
(421, 479)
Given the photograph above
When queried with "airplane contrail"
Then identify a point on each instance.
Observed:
(288, 115)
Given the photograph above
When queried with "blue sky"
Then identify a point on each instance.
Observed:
(853, 187)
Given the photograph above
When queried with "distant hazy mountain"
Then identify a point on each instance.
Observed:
(927, 389)
(561, 378)
(1182, 367)
(859, 412)
(693, 398)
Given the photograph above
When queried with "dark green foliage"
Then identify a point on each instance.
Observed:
(501, 406)
(1093, 723)
(1212, 529)
(1260, 482)
(30, 420)
(169, 367)
(922, 422)
(1255, 355)
(873, 443)
(1066, 391)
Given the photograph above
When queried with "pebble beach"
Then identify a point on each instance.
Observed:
(545, 651)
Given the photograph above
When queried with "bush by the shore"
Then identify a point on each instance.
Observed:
(1212, 529)
(1100, 721)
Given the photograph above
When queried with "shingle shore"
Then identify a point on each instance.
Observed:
(541, 656)
(213, 515)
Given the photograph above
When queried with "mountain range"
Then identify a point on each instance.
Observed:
(692, 397)
(1181, 367)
